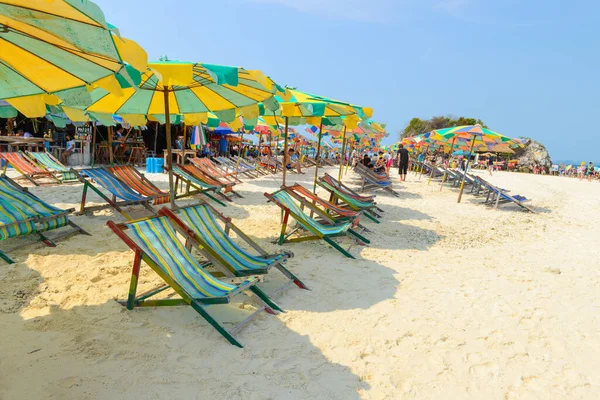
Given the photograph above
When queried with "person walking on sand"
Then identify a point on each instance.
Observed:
(590, 171)
(490, 165)
(402, 163)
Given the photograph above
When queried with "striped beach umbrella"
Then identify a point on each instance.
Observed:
(50, 51)
(173, 88)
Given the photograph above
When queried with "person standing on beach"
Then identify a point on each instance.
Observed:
(402, 163)
(590, 171)
(490, 165)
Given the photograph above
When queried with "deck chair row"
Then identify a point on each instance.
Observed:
(167, 243)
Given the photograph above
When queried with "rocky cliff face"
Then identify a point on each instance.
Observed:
(533, 153)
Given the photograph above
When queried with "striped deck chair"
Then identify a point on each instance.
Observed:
(138, 182)
(23, 214)
(335, 211)
(47, 161)
(319, 230)
(373, 180)
(154, 240)
(497, 196)
(210, 169)
(203, 176)
(183, 176)
(337, 196)
(347, 190)
(122, 195)
(27, 169)
(228, 165)
(213, 241)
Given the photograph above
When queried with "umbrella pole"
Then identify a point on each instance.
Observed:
(155, 137)
(239, 156)
(110, 146)
(343, 151)
(422, 166)
(348, 159)
(94, 145)
(285, 148)
(317, 157)
(184, 138)
(462, 184)
(169, 149)
(446, 169)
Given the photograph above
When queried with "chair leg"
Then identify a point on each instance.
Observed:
(200, 309)
(6, 258)
(339, 248)
(263, 296)
(135, 274)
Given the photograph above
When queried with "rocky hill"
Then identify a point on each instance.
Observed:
(533, 153)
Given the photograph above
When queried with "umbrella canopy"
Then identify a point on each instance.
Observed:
(173, 88)
(194, 89)
(298, 108)
(303, 108)
(59, 47)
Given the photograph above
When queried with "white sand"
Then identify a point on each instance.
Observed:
(450, 301)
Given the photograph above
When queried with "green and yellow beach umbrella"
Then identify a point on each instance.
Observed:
(52, 52)
(299, 108)
(172, 88)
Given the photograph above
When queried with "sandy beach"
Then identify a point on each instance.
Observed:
(450, 301)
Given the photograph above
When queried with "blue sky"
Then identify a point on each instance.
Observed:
(526, 68)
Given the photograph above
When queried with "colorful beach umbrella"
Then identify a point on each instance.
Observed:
(51, 51)
(173, 88)
(299, 108)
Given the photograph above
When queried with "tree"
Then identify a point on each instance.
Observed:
(417, 126)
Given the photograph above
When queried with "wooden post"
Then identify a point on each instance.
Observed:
(343, 150)
(155, 136)
(94, 144)
(462, 184)
(285, 148)
(169, 149)
(110, 146)
(318, 156)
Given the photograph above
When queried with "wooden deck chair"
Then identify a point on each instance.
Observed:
(200, 186)
(138, 182)
(347, 190)
(319, 230)
(210, 169)
(27, 169)
(250, 164)
(373, 180)
(497, 196)
(50, 163)
(154, 240)
(213, 241)
(23, 214)
(228, 165)
(337, 212)
(122, 195)
(370, 210)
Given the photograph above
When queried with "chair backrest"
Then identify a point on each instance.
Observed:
(47, 161)
(288, 201)
(157, 238)
(21, 163)
(179, 170)
(201, 220)
(112, 184)
(130, 177)
(18, 205)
